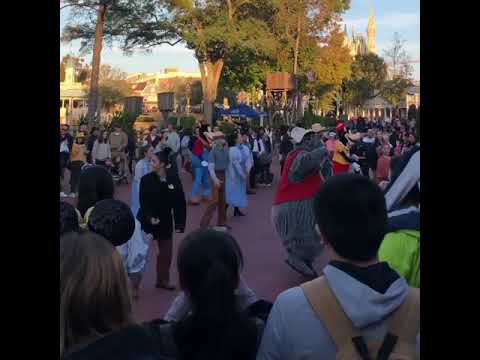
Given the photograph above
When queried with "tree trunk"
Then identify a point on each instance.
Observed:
(210, 72)
(97, 52)
(298, 96)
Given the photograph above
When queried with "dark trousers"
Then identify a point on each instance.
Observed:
(75, 170)
(254, 171)
(164, 260)
(218, 203)
(64, 158)
(264, 171)
(282, 163)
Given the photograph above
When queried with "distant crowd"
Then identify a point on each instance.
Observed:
(352, 191)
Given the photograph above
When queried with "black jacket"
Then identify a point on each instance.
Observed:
(131, 343)
(69, 141)
(164, 200)
(152, 340)
(286, 146)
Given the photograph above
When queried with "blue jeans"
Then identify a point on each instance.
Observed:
(201, 179)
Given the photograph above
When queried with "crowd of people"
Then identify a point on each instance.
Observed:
(352, 191)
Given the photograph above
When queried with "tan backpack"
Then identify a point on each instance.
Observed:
(402, 326)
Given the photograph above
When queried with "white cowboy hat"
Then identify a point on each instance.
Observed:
(298, 133)
(318, 127)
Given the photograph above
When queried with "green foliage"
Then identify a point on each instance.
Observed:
(187, 122)
(309, 119)
(145, 119)
(226, 128)
(368, 77)
(395, 90)
(125, 120)
(172, 120)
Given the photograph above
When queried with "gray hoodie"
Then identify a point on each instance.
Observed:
(294, 331)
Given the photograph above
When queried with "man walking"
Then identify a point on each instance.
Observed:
(118, 143)
(173, 142)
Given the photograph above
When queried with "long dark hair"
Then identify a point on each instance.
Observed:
(163, 155)
(96, 184)
(208, 264)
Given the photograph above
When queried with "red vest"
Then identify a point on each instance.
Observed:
(289, 191)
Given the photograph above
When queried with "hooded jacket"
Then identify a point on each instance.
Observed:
(401, 246)
(367, 295)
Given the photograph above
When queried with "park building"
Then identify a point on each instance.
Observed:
(379, 108)
(362, 44)
(73, 96)
(148, 85)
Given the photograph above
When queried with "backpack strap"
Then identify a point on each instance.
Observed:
(405, 321)
(325, 304)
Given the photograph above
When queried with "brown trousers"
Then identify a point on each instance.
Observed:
(218, 202)
(164, 260)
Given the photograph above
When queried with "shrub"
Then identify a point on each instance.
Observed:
(172, 120)
(310, 119)
(226, 128)
(187, 122)
(145, 119)
(125, 120)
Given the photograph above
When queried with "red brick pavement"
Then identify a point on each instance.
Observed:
(264, 268)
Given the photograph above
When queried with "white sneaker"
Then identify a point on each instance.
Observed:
(63, 195)
(73, 195)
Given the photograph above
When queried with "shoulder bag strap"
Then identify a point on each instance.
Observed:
(405, 321)
(325, 304)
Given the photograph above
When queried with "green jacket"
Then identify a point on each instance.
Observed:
(401, 250)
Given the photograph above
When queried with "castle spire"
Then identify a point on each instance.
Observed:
(371, 32)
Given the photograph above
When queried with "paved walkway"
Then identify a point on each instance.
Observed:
(264, 268)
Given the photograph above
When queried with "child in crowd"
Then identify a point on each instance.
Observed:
(96, 185)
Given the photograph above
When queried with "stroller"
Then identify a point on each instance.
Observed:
(118, 171)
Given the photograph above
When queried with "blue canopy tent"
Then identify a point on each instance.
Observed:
(242, 110)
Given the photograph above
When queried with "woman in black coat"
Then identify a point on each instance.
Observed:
(162, 203)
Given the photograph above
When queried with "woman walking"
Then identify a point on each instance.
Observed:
(78, 158)
(142, 168)
(162, 202)
(101, 153)
(236, 186)
(200, 154)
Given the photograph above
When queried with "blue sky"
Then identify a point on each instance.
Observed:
(391, 15)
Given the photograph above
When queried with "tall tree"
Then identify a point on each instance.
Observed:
(367, 81)
(112, 86)
(87, 23)
(299, 25)
(212, 28)
(401, 72)
(398, 59)
(331, 67)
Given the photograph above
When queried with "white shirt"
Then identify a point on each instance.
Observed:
(64, 146)
(258, 146)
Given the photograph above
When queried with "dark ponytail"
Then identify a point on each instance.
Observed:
(164, 155)
(208, 264)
